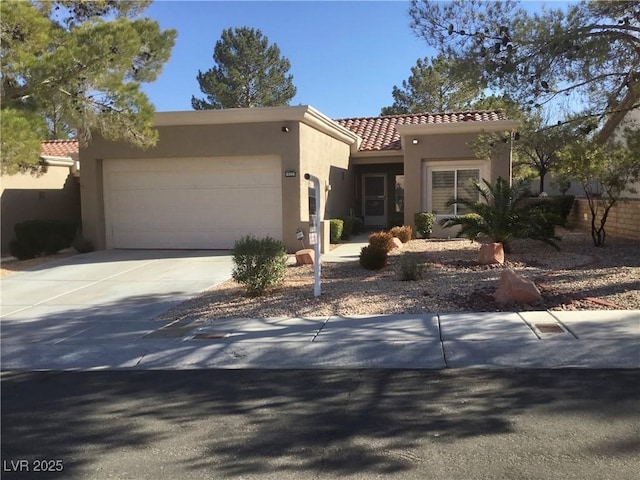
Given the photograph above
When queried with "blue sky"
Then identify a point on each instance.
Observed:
(345, 56)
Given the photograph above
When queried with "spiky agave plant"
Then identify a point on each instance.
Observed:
(501, 215)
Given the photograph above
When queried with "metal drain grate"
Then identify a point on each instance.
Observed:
(549, 328)
(209, 336)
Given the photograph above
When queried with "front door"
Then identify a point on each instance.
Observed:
(374, 199)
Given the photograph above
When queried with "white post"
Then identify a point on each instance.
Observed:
(316, 247)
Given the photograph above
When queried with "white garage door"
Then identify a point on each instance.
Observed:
(191, 202)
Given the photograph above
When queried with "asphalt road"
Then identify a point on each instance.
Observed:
(364, 424)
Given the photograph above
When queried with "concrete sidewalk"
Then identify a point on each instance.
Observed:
(581, 339)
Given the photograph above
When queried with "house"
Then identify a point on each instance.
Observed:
(216, 175)
(54, 194)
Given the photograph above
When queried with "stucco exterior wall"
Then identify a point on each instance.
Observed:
(191, 141)
(301, 149)
(54, 195)
(450, 149)
(327, 159)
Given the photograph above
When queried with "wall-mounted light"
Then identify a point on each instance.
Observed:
(285, 129)
(415, 141)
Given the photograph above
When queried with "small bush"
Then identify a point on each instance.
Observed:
(410, 268)
(259, 264)
(381, 241)
(403, 233)
(21, 251)
(373, 258)
(82, 245)
(335, 230)
(562, 206)
(358, 225)
(37, 237)
(424, 223)
(347, 227)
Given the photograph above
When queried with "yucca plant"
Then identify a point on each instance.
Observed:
(502, 215)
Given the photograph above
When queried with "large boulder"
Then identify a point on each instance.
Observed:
(305, 256)
(514, 288)
(491, 253)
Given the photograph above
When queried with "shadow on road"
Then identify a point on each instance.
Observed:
(293, 424)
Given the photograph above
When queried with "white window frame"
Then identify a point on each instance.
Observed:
(447, 166)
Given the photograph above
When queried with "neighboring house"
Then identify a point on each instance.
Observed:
(216, 175)
(51, 195)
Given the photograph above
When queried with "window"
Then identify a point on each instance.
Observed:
(447, 185)
(399, 200)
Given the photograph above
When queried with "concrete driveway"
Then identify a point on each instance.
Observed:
(111, 295)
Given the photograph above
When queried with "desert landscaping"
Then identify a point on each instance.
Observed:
(578, 277)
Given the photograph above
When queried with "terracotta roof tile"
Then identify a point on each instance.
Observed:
(379, 133)
(59, 148)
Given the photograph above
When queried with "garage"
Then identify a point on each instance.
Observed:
(191, 203)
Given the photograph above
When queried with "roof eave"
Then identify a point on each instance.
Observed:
(456, 127)
(54, 161)
(302, 113)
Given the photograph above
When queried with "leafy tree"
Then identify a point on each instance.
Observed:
(605, 171)
(430, 88)
(535, 147)
(247, 73)
(588, 54)
(70, 67)
(502, 214)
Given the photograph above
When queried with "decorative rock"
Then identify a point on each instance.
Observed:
(490, 253)
(397, 243)
(514, 288)
(305, 256)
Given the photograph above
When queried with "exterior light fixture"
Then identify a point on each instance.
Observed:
(415, 141)
(285, 129)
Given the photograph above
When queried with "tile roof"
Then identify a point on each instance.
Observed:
(59, 148)
(379, 133)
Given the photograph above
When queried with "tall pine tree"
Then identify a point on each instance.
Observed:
(431, 88)
(248, 72)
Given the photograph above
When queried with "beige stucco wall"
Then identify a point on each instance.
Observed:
(448, 148)
(246, 139)
(54, 195)
(327, 159)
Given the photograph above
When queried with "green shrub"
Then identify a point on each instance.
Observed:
(82, 245)
(424, 223)
(411, 268)
(556, 209)
(37, 237)
(259, 263)
(21, 251)
(358, 225)
(347, 227)
(373, 258)
(381, 241)
(335, 229)
(403, 233)
(503, 214)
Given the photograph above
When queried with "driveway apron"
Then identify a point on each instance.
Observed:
(109, 295)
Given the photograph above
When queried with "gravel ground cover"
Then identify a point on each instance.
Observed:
(578, 277)
(12, 265)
